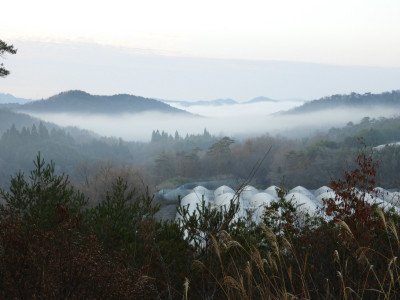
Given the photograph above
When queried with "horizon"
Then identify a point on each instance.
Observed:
(173, 102)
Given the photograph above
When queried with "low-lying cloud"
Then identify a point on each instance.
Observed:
(241, 120)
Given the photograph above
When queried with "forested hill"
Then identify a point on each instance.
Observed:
(354, 100)
(9, 118)
(82, 102)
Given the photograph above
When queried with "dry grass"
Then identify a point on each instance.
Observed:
(244, 272)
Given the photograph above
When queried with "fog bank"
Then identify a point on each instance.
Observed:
(241, 121)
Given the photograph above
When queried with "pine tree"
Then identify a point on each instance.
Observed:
(5, 48)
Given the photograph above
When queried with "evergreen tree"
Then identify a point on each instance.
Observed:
(221, 152)
(177, 137)
(5, 48)
(38, 197)
(43, 132)
(34, 132)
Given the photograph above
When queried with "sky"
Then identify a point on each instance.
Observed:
(202, 50)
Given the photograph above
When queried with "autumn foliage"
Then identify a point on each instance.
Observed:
(351, 204)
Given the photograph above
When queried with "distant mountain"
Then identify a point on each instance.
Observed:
(8, 99)
(354, 100)
(261, 99)
(82, 102)
(217, 102)
(221, 102)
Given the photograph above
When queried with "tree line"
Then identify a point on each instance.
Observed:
(166, 160)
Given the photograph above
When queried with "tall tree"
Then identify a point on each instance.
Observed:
(221, 152)
(5, 48)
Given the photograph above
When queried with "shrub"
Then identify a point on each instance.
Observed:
(63, 263)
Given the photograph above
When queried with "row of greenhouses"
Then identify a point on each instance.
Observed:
(253, 201)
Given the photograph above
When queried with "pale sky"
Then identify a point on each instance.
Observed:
(344, 32)
(340, 32)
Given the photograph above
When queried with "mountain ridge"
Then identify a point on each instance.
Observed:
(353, 100)
(216, 102)
(6, 98)
(77, 101)
(83, 102)
(226, 101)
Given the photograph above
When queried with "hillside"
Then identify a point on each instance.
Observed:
(82, 102)
(68, 146)
(9, 118)
(354, 100)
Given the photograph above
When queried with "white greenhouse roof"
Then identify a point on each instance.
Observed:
(254, 200)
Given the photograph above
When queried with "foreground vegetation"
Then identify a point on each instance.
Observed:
(57, 243)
